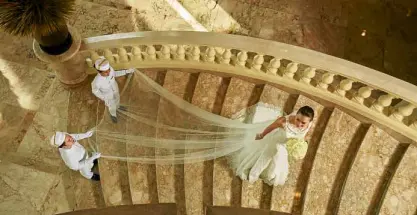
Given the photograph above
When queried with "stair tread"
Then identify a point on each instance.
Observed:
(170, 178)
(369, 165)
(114, 173)
(23, 84)
(226, 191)
(199, 176)
(399, 196)
(335, 142)
(142, 177)
(26, 184)
(82, 116)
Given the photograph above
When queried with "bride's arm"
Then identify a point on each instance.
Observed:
(277, 124)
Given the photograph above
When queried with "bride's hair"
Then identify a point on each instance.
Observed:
(306, 111)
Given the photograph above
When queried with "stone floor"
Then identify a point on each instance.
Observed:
(381, 34)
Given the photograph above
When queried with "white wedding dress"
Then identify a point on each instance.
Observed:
(265, 159)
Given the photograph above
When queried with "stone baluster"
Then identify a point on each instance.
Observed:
(165, 52)
(362, 94)
(226, 56)
(403, 111)
(242, 57)
(122, 55)
(137, 53)
(274, 66)
(195, 53)
(382, 102)
(344, 86)
(180, 54)
(210, 54)
(326, 79)
(93, 56)
(173, 48)
(290, 70)
(151, 52)
(108, 54)
(307, 75)
(258, 60)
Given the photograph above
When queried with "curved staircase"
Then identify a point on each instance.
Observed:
(361, 157)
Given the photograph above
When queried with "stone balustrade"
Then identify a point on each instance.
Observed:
(359, 89)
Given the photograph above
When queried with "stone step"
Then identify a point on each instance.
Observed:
(227, 190)
(33, 187)
(114, 173)
(170, 178)
(154, 209)
(198, 177)
(341, 135)
(367, 171)
(286, 197)
(142, 177)
(33, 151)
(23, 86)
(400, 197)
(82, 116)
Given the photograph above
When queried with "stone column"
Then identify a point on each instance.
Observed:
(70, 67)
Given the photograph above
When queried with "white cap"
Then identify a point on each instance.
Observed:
(58, 139)
(102, 64)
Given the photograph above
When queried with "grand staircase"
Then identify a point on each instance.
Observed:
(347, 169)
(354, 165)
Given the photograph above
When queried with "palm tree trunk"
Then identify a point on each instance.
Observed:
(55, 43)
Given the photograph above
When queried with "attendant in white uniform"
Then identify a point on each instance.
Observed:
(105, 87)
(74, 154)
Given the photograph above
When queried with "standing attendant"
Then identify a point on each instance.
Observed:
(105, 87)
(74, 154)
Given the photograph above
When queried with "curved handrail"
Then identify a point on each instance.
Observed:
(262, 59)
(371, 77)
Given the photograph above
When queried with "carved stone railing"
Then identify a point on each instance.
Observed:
(382, 98)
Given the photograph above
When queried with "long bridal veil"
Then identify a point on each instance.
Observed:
(159, 127)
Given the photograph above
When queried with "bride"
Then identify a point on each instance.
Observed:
(266, 157)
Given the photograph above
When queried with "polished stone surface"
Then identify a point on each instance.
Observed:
(377, 34)
(33, 105)
(401, 197)
(336, 139)
(237, 98)
(198, 176)
(369, 165)
(142, 177)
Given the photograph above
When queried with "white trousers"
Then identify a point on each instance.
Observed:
(113, 104)
(86, 170)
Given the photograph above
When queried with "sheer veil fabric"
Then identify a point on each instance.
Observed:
(159, 127)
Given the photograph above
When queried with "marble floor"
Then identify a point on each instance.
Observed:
(380, 34)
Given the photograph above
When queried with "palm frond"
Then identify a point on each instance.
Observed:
(25, 17)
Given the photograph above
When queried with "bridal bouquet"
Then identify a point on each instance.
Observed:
(297, 148)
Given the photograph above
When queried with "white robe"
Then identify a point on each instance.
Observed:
(76, 158)
(106, 89)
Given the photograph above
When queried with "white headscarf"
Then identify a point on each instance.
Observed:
(102, 64)
(58, 139)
